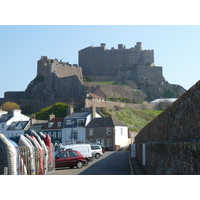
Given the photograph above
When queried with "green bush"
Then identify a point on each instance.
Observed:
(58, 109)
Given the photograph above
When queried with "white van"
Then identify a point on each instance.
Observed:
(84, 149)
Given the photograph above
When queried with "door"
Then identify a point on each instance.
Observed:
(100, 141)
(61, 159)
(72, 158)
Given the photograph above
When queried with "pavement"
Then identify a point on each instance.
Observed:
(136, 167)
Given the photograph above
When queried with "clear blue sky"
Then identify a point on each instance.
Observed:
(176, 48)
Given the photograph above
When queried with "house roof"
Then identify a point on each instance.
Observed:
(95, 96)
(105, 121)
(54, 123)
(19, 125)
(78, 114)
(5, 117)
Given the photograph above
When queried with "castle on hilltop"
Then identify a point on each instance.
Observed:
(46, 67)
(101, 64)
(58, 81)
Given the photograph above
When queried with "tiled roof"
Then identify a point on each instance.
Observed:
(54, 123)
(105, 121)
(96, 96)
(79, 114)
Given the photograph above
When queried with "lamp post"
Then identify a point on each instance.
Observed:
(72, 131)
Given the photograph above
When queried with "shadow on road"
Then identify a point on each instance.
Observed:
(116, 163)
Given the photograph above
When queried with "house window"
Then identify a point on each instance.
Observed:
(59, 134)
(121, 131)
(54, 134)
(91, 131)
(74, 135)
(108, 131)
(2, 125)
(59, 124)
(70, 122)
(50, 124)
(80, 122)
(108, 142)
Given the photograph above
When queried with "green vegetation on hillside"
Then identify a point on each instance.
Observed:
(124, 100)
(135, 119)
(58, 109)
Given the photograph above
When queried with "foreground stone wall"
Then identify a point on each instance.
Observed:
(170, 144)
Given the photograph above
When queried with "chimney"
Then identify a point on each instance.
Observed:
(70, 110)
(16, 113)
(52, 116)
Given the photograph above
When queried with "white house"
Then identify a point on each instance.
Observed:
(74, 127)
(13, 124)
(109, 132)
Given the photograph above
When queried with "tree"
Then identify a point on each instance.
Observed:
(58, 109)
(10, 106)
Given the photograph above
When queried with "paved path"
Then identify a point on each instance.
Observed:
(111, 163)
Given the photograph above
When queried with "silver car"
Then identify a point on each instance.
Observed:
(96, 151)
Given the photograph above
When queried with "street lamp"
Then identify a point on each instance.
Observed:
(72, 131)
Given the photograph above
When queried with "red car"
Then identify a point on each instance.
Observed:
(70, 158)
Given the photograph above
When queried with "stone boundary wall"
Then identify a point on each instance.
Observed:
(111, 105)
(170, 144)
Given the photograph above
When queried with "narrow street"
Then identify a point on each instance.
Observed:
(111, 163)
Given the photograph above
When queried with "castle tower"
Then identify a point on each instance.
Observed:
(138, 46)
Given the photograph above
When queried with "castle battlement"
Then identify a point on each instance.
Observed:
(48, 66)
(114, 63)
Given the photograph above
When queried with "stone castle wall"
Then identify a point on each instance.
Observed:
(99, 63)
(170, 144)
(62, 69)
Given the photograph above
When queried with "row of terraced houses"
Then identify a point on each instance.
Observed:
(78, 127)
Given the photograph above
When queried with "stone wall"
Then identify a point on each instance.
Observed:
(116, 91)
(170, 144)
(13, 95)
(99, 63)
(113, 105)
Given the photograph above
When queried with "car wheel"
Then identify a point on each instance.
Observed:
(86, 163)
(79, 164)
(97, 156)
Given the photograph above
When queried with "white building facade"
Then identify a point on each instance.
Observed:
(74, 127)
(13, 124)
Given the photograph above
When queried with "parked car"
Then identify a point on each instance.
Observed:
(96, 151)
(84, 149)
(70, 158)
